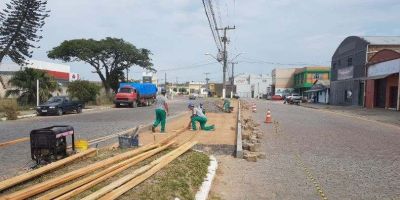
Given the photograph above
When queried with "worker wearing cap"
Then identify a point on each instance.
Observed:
(227, 105)
(198, 116)
(161, 111)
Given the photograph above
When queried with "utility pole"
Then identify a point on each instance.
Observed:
(224, 58)
(207, 79)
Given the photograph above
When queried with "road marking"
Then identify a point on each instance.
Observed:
(311, 177)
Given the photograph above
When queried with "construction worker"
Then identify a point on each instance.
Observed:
(161, 111)
(227, 105)
(198, 116)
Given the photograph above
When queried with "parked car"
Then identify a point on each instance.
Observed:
(59, 105)
(293, 99)
(193, 96)
(276, 97)
(135, 94)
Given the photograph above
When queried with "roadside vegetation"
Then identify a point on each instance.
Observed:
(83, 90)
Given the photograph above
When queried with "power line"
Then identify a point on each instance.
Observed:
(213, 26)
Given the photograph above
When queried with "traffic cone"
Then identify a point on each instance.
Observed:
(268, 118)
(254, 107)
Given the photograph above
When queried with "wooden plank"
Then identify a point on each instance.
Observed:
(4, 144)
(46, 185)
(34, 173)
(136, 181)
(82, 185)
(183, 148)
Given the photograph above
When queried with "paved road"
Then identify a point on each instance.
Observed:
(87, 125)
(347, 158)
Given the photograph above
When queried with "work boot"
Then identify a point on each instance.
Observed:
(153, 129)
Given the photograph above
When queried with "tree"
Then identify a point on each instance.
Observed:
(83, 90)
(109, 57)
(19, 24)
(25, 83)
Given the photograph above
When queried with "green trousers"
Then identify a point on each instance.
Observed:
(202, 121)
(161, 116)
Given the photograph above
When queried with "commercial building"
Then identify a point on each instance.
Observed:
(282, 81)
(60, 72)
(252, 85)
(348, 67)
(319, 92)
(382, 82)
(304, 78)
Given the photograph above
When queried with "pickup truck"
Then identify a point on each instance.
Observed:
(135, 94)
(293, 99)
(59, 105)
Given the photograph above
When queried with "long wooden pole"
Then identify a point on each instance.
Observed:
(136, 181)
(46, 185)
(139, 171)
(34, 173)
(78, 187)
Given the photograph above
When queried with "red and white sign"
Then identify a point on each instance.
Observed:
(74, 76)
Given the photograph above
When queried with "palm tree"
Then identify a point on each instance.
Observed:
(25, 83)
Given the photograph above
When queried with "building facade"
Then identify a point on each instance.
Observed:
(382, 82)
(348, 67)
(283, 81)
(304, 78)
(319, 92)
(252, 85)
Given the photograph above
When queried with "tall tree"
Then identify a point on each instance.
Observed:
(19, 23)
(109, 57)
(25, 83)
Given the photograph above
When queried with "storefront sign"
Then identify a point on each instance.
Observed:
(384, 68)
(345, 73)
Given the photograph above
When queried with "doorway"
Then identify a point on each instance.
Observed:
(393, 96)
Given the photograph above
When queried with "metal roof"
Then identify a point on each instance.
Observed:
(382, 40)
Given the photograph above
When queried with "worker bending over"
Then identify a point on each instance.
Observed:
(198, 116)
(161, 112)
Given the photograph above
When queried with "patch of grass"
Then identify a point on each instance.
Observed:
(182, 178)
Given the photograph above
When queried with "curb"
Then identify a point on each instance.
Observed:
(20, 117)
(205, 187)
(239, 147)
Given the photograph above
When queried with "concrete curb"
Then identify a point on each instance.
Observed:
(239, 147)
(20, 117)
(205, 187)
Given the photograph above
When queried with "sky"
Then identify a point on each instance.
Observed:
(269, 33)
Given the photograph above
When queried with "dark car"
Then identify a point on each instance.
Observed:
(59, 105)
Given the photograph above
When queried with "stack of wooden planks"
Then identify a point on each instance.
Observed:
(83, 179)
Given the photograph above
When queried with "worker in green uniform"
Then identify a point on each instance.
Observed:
(161, 111)
(198, 116)
(227, 105)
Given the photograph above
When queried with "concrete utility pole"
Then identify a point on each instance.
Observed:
(224, 58)
(37, 93)
(207, 79)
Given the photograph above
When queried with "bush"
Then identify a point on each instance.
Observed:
(83, 90)
(103, 99)
(10, 108)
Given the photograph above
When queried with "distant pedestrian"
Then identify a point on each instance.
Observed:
(161, 111)
(198, 116)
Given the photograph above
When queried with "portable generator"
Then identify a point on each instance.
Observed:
(50, 143)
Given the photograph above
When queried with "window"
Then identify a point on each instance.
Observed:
(349, 61)
(334, 65)
(316, 76)
(339, 63)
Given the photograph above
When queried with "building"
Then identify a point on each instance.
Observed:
(195, 87)
(382, 81)
(304, 78)
(319, 92)
(348, 67)
(252, 85)
(60, 72)
(282, 81)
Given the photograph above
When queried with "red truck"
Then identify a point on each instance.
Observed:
(135, 94)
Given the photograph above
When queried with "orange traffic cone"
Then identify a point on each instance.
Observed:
(268, 118)
(254, 107)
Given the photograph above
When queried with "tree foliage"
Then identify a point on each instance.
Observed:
(83, 90)
(19, 23)
(109, 57)
(25, 83)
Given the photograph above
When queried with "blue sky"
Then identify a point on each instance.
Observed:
(177, 32)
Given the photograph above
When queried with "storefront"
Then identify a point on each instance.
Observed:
(382, 81)
(319, 92)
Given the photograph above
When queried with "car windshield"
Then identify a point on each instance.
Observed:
(55, 99)
(125, 90)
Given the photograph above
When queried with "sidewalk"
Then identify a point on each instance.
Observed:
(376, 114)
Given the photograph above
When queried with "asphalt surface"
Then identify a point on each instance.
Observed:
(89, 125)
(313, 154)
